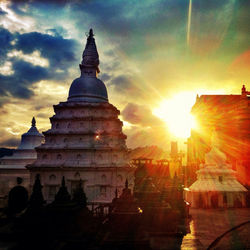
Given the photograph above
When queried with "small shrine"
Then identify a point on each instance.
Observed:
(13, 167)
(216, 185)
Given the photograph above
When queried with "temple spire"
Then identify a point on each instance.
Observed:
(91, 33)
(90, 56)
(33, 122)
(126, 183)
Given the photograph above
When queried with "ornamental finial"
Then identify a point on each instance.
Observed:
(33, 122)
(91, 33)
(243, 90)
(90, 56)
(63, 182)
(126, 184)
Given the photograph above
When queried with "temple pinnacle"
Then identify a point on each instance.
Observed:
(91, 33)
(90, 57)
(33, 122)
(126, 183)
(63, 182)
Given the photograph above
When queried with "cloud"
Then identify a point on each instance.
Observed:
(121, 82)
(60, 53)
(146, 128)
(5, 43)
(2, 12)
(105, 77)
(130, 25)
(25, 74)
(140, 115)
(10, 143)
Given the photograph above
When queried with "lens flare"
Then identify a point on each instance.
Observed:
(176, 114)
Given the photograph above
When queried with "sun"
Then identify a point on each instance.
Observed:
(176, 114)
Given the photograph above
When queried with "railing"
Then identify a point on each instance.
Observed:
(101, 211)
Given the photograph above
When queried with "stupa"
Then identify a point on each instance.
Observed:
(85, 141)
(13, 166)
(216, 185)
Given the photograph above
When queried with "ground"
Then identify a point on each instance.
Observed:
(208, 224)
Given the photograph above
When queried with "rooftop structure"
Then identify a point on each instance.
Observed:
(216, 184)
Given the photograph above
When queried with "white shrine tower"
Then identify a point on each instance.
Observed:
(85, 140)
(13, 166)
(216, 185)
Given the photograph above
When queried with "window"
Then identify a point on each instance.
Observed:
(115, 158)
(44, 157)
(220, 178)
(69, 125)
(119, 179)
(100, 157)
(57, 126)
(52, 177)
(224, 198)
(103, 191)
(103, 178)
(78, 157)
(77, 175)
(52, 192)
(59, 157)
(65, 140)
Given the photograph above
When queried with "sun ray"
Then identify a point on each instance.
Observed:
(189, 21)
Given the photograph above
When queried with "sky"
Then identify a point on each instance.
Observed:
(155, 57)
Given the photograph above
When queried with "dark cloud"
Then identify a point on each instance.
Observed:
(110, 53)
(60, 53)
(5, 43)
(105, 77)
(210, 5)
(42, 115)
(2, 12)
(131, 31)
(140, 115)
(58, 50)
(57, 31)
(147, 129)
(121, 82)
(25, 74)
(12, 142)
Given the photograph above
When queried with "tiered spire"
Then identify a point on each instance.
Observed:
(33, 122)
(36, 198)
(90, 56)
(63, 194)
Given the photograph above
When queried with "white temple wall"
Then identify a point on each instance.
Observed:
(99, 186)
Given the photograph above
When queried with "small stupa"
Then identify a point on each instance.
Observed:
(13, 166)
(216, 185)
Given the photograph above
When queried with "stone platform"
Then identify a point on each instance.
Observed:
(208, 224)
